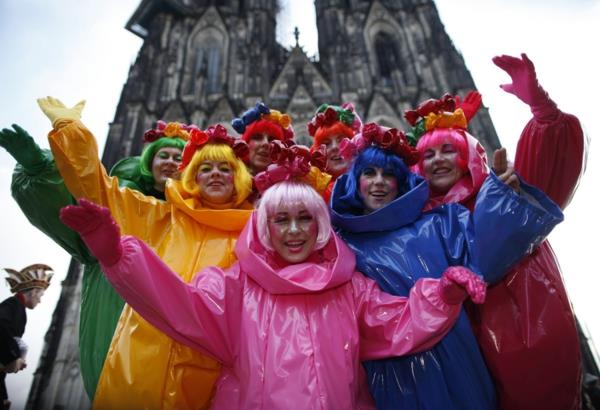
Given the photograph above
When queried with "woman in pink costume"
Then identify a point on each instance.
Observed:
(291, 320)
(526, 328)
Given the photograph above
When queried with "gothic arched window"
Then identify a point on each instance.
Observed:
(205, 62)
(388, 58)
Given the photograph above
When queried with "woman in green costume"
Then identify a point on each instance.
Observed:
(40, 192)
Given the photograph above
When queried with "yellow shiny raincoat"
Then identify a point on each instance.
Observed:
(144, 368)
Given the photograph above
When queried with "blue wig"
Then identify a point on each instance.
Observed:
(374, 156)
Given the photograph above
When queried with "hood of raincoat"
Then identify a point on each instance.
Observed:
(224, 219)
(335, 265)
(465, 190)
(401, 211)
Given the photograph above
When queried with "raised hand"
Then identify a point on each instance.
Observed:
(470, 104)
(55, 110)
(505, 171)
(458, 283)
(23, 148)
(524, 84)
(97, 228)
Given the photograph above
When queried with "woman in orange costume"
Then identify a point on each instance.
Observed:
(196, 227)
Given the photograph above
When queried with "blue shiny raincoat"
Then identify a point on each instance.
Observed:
(398, 244)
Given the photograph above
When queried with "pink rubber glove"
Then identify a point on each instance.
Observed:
(525, 85)
(97, 228)
(458, 283)
(470, 104)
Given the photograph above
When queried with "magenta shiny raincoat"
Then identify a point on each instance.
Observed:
(287, 337)
(526, 328)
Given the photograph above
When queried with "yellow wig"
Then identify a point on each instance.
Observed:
(242, 180)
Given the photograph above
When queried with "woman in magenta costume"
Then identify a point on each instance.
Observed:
(526, 328)
(291, 320)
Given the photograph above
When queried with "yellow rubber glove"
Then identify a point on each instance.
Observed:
(56, 111)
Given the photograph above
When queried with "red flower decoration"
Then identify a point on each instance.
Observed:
(151, 136)
(216, 134)
(446, 103)
(389, 139)
(318, 157)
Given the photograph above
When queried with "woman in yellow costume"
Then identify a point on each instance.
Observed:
(196, 227)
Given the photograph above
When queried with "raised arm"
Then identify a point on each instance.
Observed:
(396, 326)
(40, 191)
(76, 154)
(551, 150)
(506, 226)
(203, 314)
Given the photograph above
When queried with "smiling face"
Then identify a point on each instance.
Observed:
(164, 166)
(378, 187)
(215, 179)
(293, 233)
(336, 164)
(259, 156)
(440, 167)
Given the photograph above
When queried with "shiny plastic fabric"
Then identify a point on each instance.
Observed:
(40, 197)
(145, 368)
(526, 329)
(243, 317)
(397, 244)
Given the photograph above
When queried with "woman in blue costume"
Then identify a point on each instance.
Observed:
(377, 209)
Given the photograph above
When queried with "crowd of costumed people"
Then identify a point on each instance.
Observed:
(378, 268)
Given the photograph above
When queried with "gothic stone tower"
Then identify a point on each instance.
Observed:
(206, 61)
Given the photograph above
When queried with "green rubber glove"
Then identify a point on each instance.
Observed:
(23, 148)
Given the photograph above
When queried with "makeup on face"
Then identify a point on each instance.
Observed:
(164, 166)
(293, 233)
(215, 179)
(378, 187)
(440, 167)
(259, 156)
(336, 164)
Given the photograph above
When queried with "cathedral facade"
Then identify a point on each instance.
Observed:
(207, 61)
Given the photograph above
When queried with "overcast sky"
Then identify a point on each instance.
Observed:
(76, 49)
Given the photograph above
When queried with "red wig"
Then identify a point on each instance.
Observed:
(263, 127)
(337, 128)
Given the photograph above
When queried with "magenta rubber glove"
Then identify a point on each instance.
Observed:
(525, 85)
(458, 283)
(97, 228)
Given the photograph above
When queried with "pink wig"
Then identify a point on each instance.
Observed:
(439, 136)
(292, 196)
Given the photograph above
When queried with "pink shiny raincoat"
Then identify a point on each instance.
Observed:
(287, 336)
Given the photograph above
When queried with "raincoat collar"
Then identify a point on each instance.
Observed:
(465, 190)
(223, 219)
(336, 266)
(401, 211)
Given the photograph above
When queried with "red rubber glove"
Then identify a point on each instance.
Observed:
(458, 283)
(470, 104)
(97, 228)
(525, 85)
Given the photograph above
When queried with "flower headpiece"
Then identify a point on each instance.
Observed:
(291, 162)
(327, 115)
(389, 139)
(250, 123)
(33, 276)
(447, 112)
(216, 134)
(169, 130)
